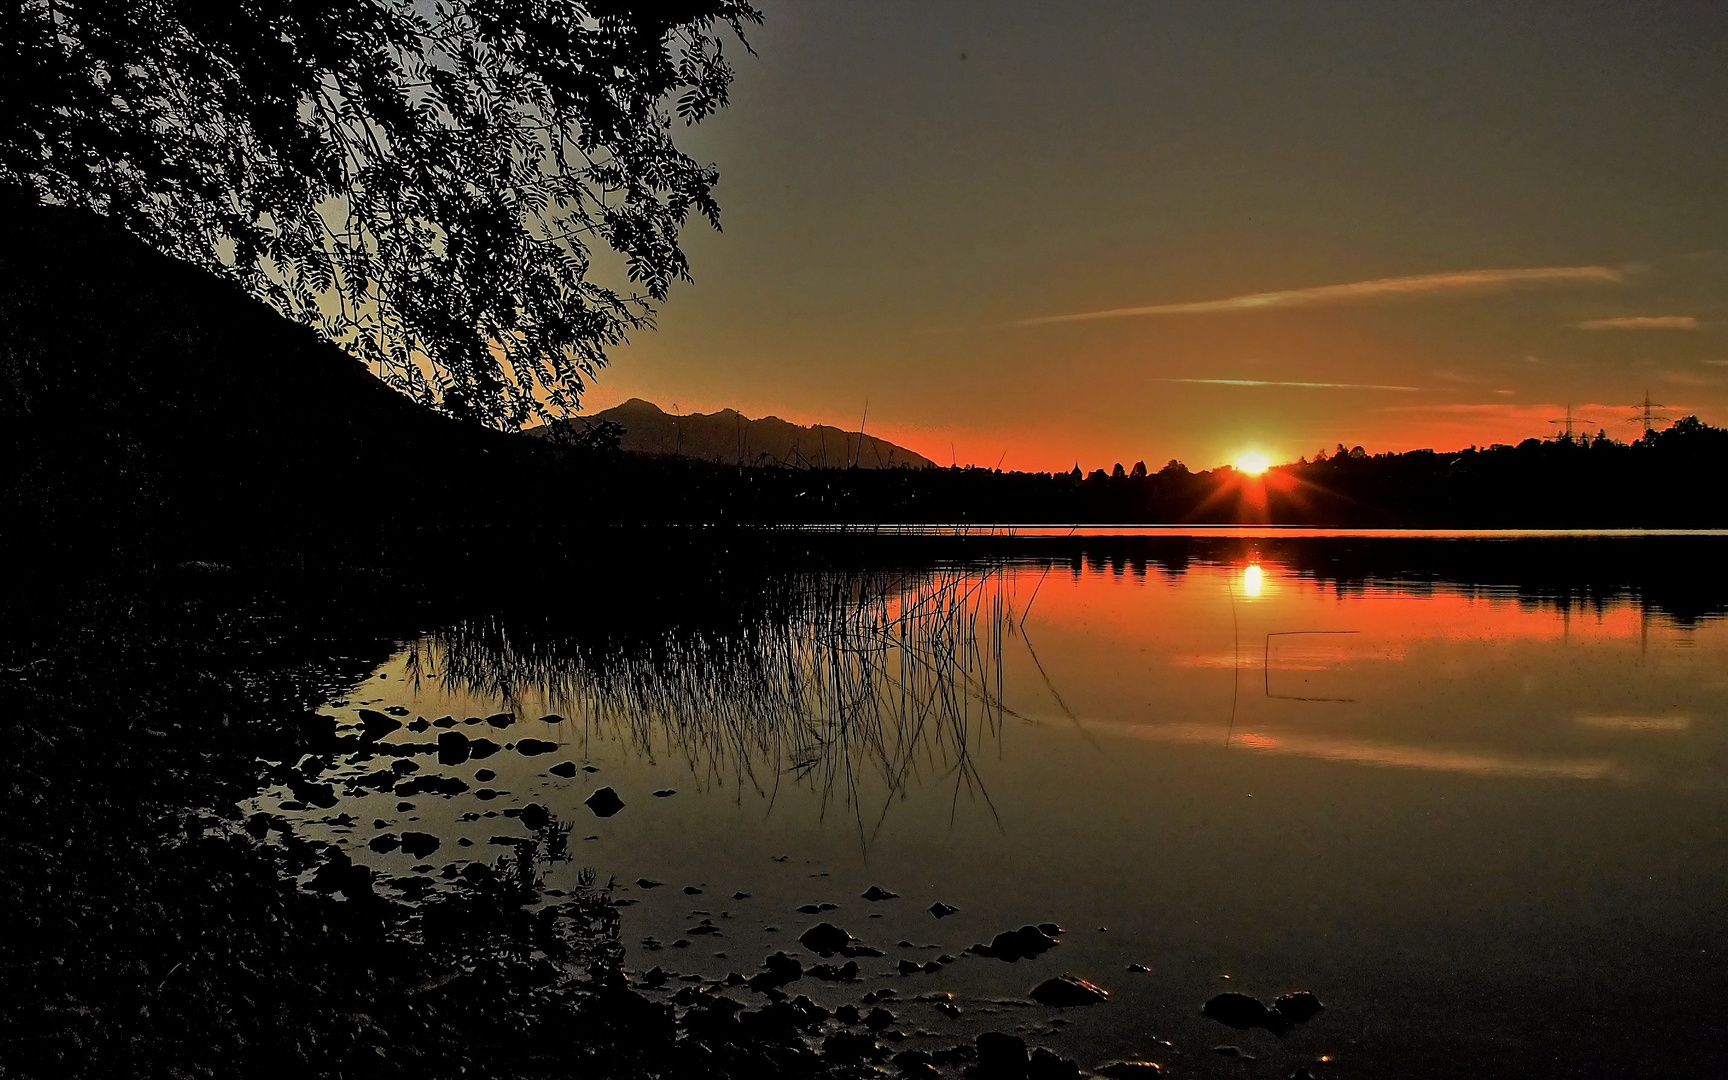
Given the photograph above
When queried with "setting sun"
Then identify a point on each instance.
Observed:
(1253, 462)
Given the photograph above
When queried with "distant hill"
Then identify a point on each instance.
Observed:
(731, 438)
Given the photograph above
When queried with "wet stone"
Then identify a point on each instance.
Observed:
(1046, 1064)
(1132, 1070)
(665, 793)
(431, 784)
(501, 720)
(385, 844)
(374, 725)
(1068, 991)
(1243, 1012)
(941, 910)
(482, 748)
(604, 802)
(878, 1019)
(877, 893)
(419, 844)
(453, 748)
(849, 1046)
(648, 883)
(1298, 1006)
(1001, 1054)
(825, 939)
(534, 747)
(1015, 945)
(565, 769)
(551, 718)
(484, 775)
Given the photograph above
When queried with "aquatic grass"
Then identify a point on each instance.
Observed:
(846, 683)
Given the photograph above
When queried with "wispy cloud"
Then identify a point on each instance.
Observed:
(1301, 385)
(1642, 322)
(1355, 291)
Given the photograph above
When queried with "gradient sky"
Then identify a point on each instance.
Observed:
(1289, 225)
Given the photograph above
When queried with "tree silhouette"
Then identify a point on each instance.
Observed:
(429, 182)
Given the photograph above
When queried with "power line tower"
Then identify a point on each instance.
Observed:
(1648, 416)
(1566, 424)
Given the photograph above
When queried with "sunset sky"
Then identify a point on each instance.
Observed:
(1096, 232)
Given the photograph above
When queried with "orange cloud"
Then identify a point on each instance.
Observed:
(1642, 322)
(1417, 285)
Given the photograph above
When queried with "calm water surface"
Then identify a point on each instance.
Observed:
(1487, 829)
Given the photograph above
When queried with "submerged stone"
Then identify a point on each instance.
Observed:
(876, 893)
(534, 747)
(604, 802)
(941, 910)
(565, 769)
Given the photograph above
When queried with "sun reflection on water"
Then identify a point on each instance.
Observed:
(1253, 580)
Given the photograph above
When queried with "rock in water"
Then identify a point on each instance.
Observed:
(1298, 1006)
(452, 748)
(385, 843)
(825, 939)
(501, 720)
(1067, 991)
(1049, 1065)
(1000, 1054)
(941, 910)
(1021, 944)
(551, 718)
(1243, 1012)
(531, 747)
(480, 748)
(604, 802)
(375, 725)
(431, 784)
(563, 768)
(419, 844)
(877, 892)
(1132, 1070)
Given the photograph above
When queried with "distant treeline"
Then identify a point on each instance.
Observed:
(1671, 478)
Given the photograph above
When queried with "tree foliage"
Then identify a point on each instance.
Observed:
(477, 197)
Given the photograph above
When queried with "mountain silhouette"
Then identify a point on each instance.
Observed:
(731, 438)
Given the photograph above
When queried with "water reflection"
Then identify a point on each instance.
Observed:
(1409, 778)
(855, 685)
(1253, 579)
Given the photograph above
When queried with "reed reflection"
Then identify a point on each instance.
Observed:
(858, 685)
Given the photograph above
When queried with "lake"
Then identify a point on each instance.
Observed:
(1468, 791)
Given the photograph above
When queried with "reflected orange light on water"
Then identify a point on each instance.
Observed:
(1253, 580)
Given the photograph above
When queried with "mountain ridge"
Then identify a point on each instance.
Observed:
(729, 437)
